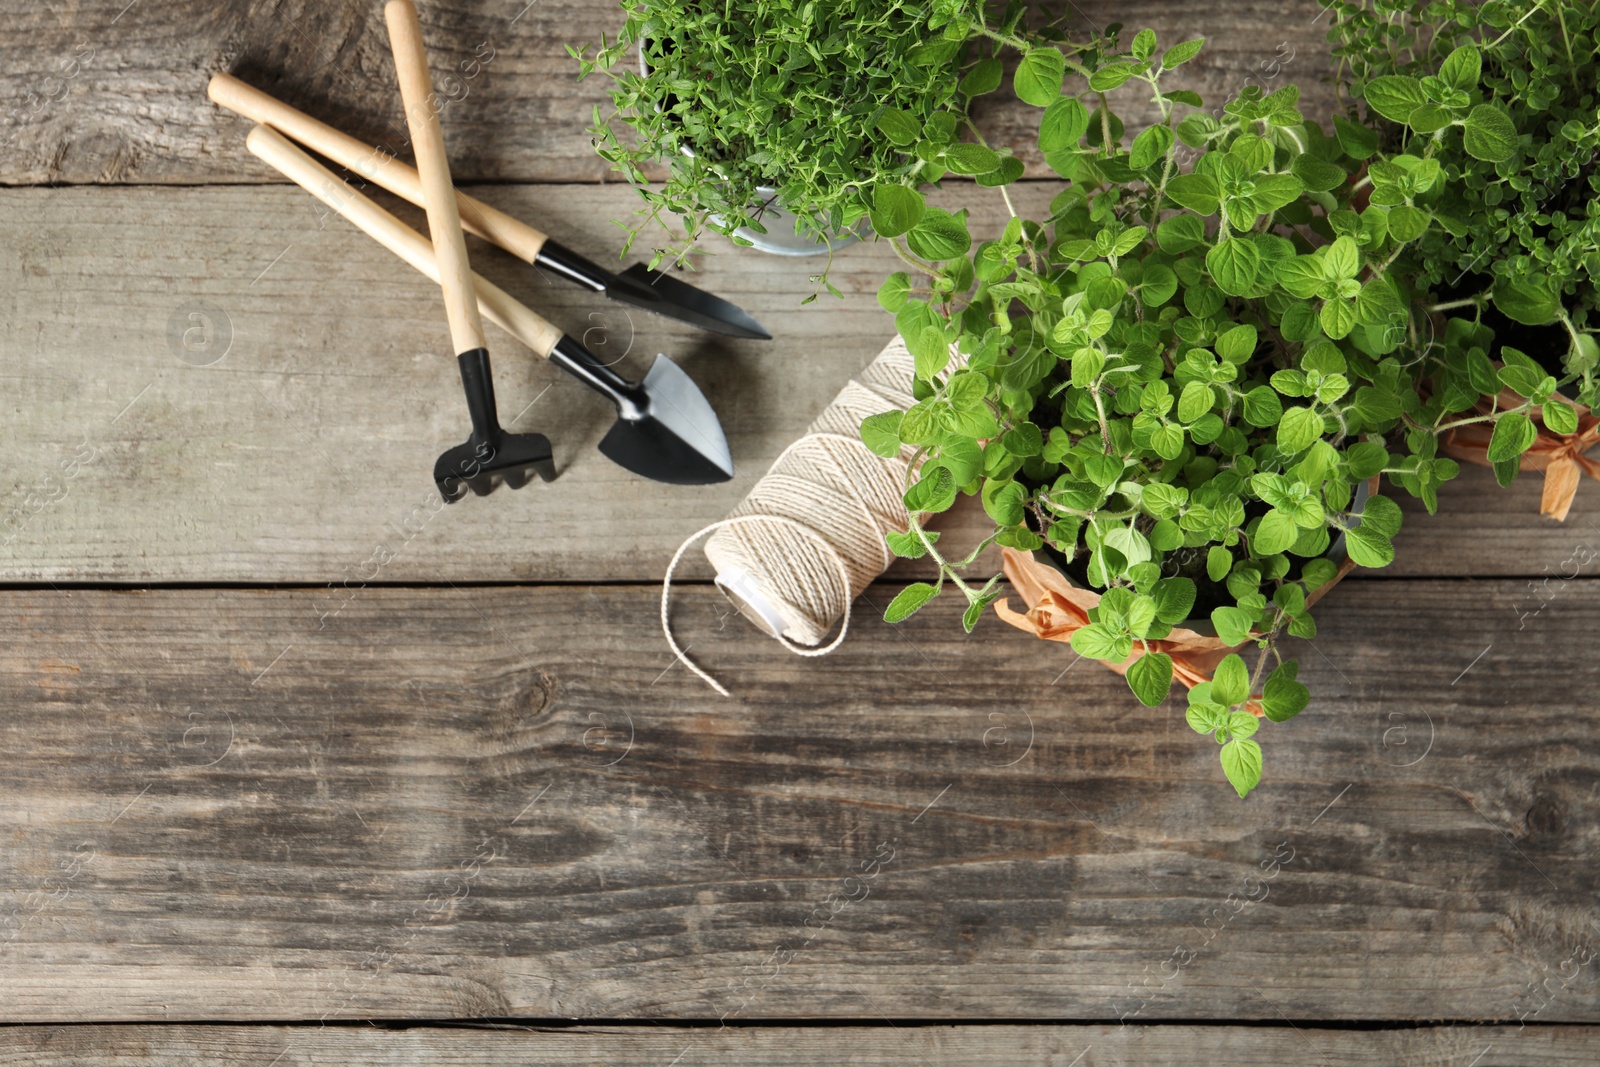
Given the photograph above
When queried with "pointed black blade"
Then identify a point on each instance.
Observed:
(676, 438)
(666, 295)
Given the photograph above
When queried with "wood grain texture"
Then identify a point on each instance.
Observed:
(295, 804)
(106, 91)
(882, 1046)
(303, 450)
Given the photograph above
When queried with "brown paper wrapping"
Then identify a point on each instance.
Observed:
(1055, 608)
(1560, 456)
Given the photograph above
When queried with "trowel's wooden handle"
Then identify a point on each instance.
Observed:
(502, 309)
(375, 164)
(433, 167)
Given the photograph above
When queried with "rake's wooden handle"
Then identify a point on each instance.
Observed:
(502, 309)
(376, 164)
(438, 193)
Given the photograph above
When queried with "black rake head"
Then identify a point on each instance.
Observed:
(491, 456)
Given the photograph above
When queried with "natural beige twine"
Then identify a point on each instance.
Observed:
(811, 532)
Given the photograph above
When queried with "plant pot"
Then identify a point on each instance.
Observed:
(1056, 607)
(782, 237)
(1561, 456)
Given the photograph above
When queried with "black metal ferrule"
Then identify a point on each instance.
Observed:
(567, 263)
(579, 362)
(477, 381)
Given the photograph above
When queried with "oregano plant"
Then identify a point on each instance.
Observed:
(1177, 382)
(1480, 123)
(828, 103)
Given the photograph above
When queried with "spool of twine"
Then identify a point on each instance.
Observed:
(809, 536)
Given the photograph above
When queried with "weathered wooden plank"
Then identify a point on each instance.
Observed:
(854, 1046)
(305, 451)
(106, 91)
(509, 802)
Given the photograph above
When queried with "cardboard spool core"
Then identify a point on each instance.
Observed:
(745, 595)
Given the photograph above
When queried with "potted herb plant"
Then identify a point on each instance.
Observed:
(1496, 103)
(1174, 384)
(756, 105)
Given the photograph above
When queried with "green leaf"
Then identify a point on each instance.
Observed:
(1010, 170)
(1180, 233)
(1233, 625)
(1241, 762)
(1300, 276)
(1378, 304)
(1369, 547)
(909, 601)
(1096, 641)
(1365, 458)
(984, 77)
(1150, 146)
(1197, 192)
(1039, 76)
(1395, 96)
(930, 350)
(1234, 265)
(1513, 434)
(1489, 134)
(1407, 223)
(881, 433)
(1144, 43)
(1063, 124)
(895, 209)
(1219, 561)
(1342, 259)
(1231, 683)
(1529, 300)
(1130, 542)
(1242, 724)
(1383, 515)
(971, 159)
(1167, 440)
(907, 545)
(1195, 400)
(1181, 53)
(1318, 175)
(1559, 417)
(934, 491)
(1358, 142)
(1107, 78)
(1004, 500)
(1205, 717)
(1274, 533)
(1174, 599)
(893, 292)
(1262, 407)
(899, 127)
(1275, 190)
(1284, 698)
(1462, 68)
(1429, 118)
(1150, 678)
(1338, 318)
(1297, 429)
(1237, 343)
(1162, 500)
(939, 235)
(1158, 285)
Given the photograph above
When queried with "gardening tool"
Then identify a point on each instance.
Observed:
(490, 454)
(665, 430)
(636, 286)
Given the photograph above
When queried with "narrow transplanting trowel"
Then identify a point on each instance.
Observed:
(637, 285)
(665, 428)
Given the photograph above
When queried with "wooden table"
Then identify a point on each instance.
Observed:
(289, 746)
